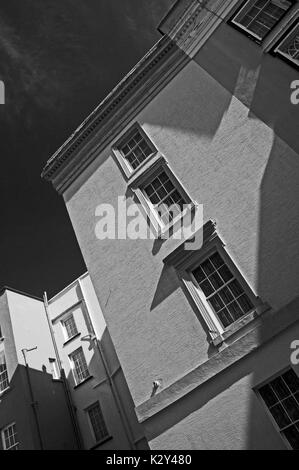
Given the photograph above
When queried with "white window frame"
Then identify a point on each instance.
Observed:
(245, 8)
(87, 410)
(143, 174)
(72, 363)
(186, 261)
(264, 405)
(116, 149)
(3, 437)
(219, 248)
(277, 50)
(65, 333)
(137, 185)
(6, 371)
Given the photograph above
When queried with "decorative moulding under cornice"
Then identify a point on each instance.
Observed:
(168, 56)
(197, 23)
(152, 72)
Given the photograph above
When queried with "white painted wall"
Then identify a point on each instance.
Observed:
(30, 328)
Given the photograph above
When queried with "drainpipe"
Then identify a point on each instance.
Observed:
(66, 389)
(109, 376)
(34, 403)
(116, 397)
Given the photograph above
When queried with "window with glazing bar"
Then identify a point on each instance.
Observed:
(259, 17)
(4, 382)
(165, 197)
(97, 422)
(289, 46)
(70, 326)
(10, 437)
(281, 397)
(135, 148)
(79, 365)
(222, 290)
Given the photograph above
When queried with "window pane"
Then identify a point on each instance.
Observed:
(292, 380)
(162, 193)
(225, 273)
(206, 288)
(176, 198)
(138, 137)
(136, 149)
(207, 267)
(216, 260)
(285, 411)
(217, 282)
(70, 327)
(165, 197)
(280, 388)
(163, 177)
(168, 186)
(216, 302)
(198, 274)
(235, 310)
(262, 16)
(154, 198)
(245, 303)
(291, 406)
(9, 437)
(4, 382)
(292, 435)
(225, 317)
(226, 295)
(280, 416)
(97, 422)
(236, 288)
(268, 395)
(156, 183)
(79, 365)
(289, 47)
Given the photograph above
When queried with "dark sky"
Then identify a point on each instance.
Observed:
(58, 60)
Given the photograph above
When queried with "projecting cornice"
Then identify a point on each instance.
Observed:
(108, 119)
(186, 28)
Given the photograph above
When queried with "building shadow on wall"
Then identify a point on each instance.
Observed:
(277, 280)
(278, 256)
(277, 265)
(52, 424)
(253, 80)
(109, 386)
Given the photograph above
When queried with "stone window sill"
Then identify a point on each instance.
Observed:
(71, 339)
(83, 382)
(240, 324)
(4, 392)
(99, 443)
